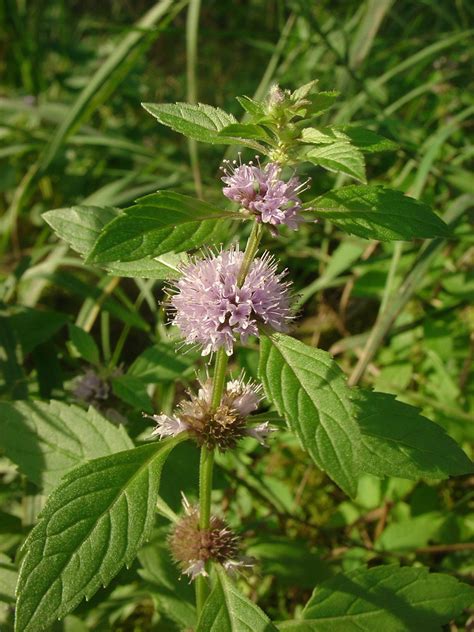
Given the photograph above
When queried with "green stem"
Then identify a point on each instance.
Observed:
(205, 490)
(250, 252)
(207, 456)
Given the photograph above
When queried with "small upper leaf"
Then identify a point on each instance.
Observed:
(397, 441)
(310, 391)
(339, 156)
(374, 212)
(92, 525)
(228, 610)
(158, 223)
(201, 122)
(387, 598)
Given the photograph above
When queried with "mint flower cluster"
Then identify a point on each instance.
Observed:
(262, 192)
(212, 310)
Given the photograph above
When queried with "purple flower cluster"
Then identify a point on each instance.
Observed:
(262, 192)
(211, 309)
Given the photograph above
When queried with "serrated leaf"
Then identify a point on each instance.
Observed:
(396, 440)
(320, 102)
(322, 136)
(374, 212)
(92, 525)
(84, 344)
(386, 598)
(158, 223)
(310, 391)
(47, 440)
(200, 122)
(228, 610)
(80, 226)
(341, 157)
(254, 108)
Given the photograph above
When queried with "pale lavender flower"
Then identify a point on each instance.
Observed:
(167, 426)
(212, 310)
(261, 432)
(264, 193)
(244, 396)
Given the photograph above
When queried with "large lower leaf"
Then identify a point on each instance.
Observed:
(46, 440)
(397, 441)
(80, 227)
(92, 525)
(387, 598)
(159, 223)
(310, 391)
(227, 610)
(374, 212)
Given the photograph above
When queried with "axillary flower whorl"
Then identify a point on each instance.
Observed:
(211, 309)
(221, 428)
(264, 193)
(193, 547)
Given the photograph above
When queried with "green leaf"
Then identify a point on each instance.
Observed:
(310, 391)
(228, 610)
(322, 135)
(200, 122)
(374, 212)
(247, 131)
(396, 440)
(92, 525)
(340, 156)
(132, 390)
(254, 108)
(161, 363)
(46, 440)
(320, 102)
(35, 326)
(159, 223)
(84, 344)
(387, 598)
(367, 140)
(80, 226)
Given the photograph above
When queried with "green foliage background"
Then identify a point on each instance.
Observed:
(73, 75)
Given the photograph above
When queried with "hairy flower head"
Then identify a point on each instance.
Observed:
(193, 547)
(221, 428)
(262, 191)
(212, 310)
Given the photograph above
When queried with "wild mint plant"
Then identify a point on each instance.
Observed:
(221, 297)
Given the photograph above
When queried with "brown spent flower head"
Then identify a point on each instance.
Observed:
(192, 547)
